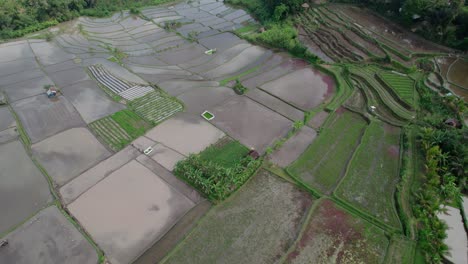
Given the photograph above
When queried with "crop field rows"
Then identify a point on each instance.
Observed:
(111, 132)
(387, 96)
(120, 128)
(318, 165)
(155, 107)
(402, 85)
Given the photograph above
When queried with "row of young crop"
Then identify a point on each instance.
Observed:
(155, 107)
(388, 97)
(111, 132)
(402, 85)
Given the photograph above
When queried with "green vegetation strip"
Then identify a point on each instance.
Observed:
(226, 153)
(219, 170)
(323, 163)
(119, 129)
(155, 107)
(402, 85)
(371, 178)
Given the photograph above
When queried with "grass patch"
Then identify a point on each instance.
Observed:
(372, 176)
(324, 161)
(226, 153)
(252, 28)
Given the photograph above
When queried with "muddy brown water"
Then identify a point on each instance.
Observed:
(458, 73)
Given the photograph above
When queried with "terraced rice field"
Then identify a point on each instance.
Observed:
(401, 84)
(155, 107)
(119, 129)
(324, 162)
(381, 96)
(335, 236)
(373, 173)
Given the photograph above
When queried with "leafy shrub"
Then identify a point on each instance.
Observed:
(216, 182)
(239, 88)
(283, 36)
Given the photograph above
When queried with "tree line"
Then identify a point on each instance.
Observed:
(442, 21)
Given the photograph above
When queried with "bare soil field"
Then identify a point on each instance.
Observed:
(48, 237)
(89, 178)
(43, 117)
(90, 101)
(249, 122)
(186, 133)
(335, 236)
(6, 119)
(256, 225)
(22, 185)
(294, 147)
(69, 153)
(305, 89)
(125, 214)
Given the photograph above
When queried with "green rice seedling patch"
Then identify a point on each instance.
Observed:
(402, 85)
(324, 162)
(111, 133)
(134, 125)
(371, 178)
(226, 152)
(333, 235)
(155, 107)
(120, 128)
(401, 250)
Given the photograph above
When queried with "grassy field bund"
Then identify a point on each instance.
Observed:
(322, 165)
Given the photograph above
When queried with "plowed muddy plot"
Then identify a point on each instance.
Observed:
(335, 236)
(249, 122)
(306, 88)
(325, 160)
(69, 153)
(186, 134)
(43, 117)
(256, 225)
(127, 214)
(294, 147)
(372, 176)
(23, 189)
(48, 237)
(458, 73)
(90, 101)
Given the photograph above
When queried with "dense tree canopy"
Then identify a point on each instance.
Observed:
(444, 21)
